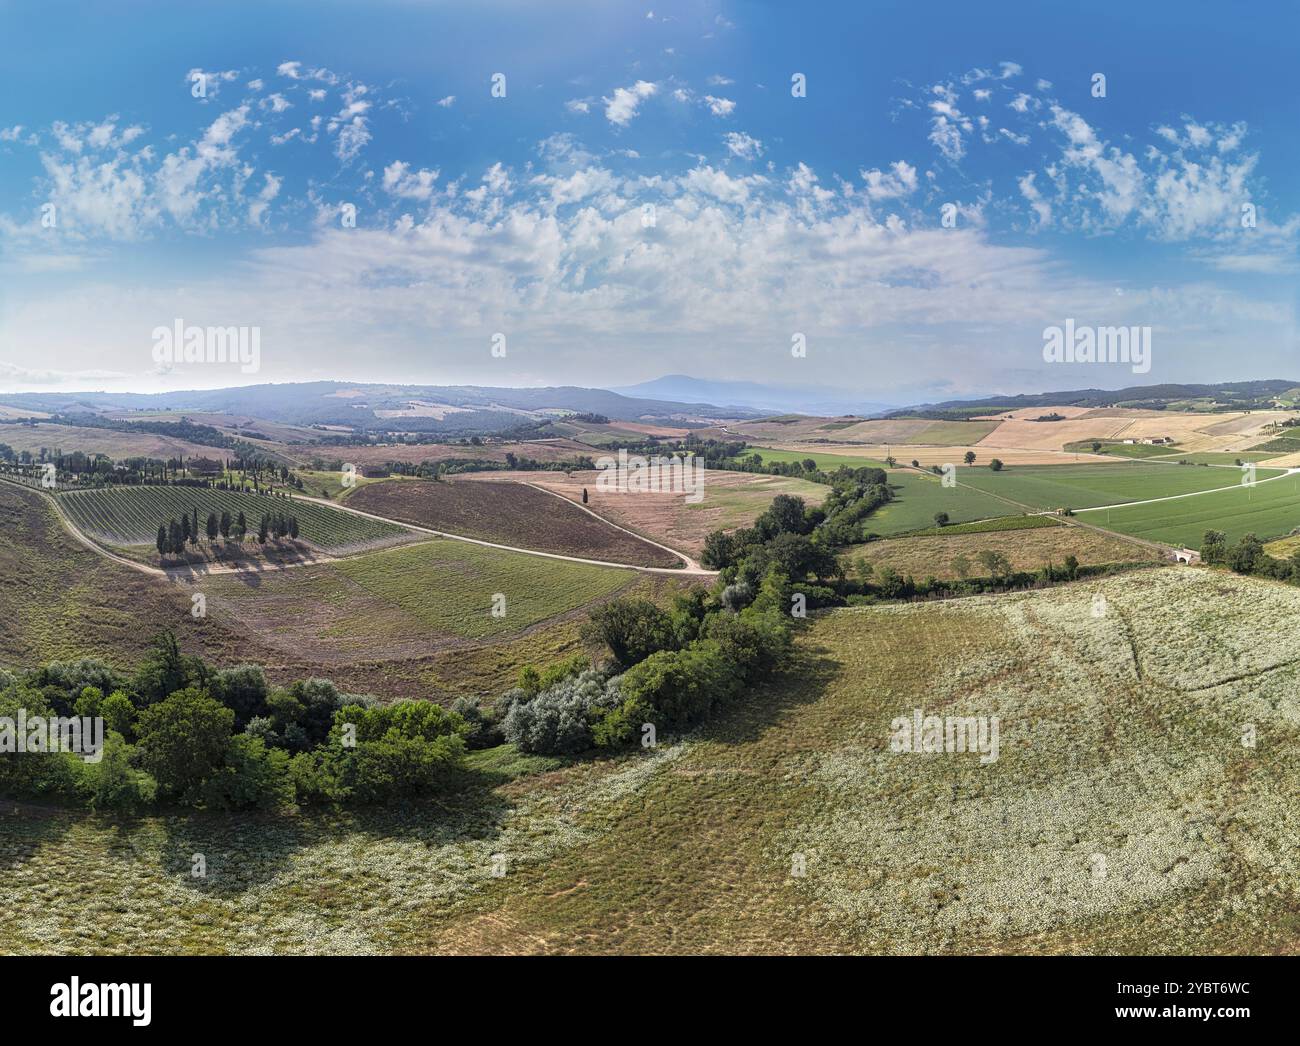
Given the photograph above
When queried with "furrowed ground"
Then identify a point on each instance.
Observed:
(508, 514)
(1124, 814)
(132, 515)
(731, 500)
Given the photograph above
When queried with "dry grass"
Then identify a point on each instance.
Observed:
(924, 557)
(1123, 815)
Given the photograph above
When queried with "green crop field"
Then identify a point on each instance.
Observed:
(1122, 450)
(1085, 486)
(1220, 457)
(131, 515)
(918, 496)
(1268, 510)
(826, 462)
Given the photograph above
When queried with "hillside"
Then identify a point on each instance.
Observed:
(1122, 814)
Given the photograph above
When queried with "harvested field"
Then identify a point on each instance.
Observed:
(905, 453)
(1030, 549)
(67, 438)
(415, 453)
(731, 500)
(508, 514)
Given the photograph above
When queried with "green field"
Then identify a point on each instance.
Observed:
(435, 588)
(1220, 457)
(1085, 486)
(826, 462)
(132, 515)
(1268, 510)
(992, 526)
(1123, 450)
(918, 496)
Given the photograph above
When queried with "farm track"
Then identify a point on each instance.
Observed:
(692, 569)
(689, 571)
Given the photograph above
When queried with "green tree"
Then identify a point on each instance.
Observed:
(113, 783)
(631, 629)
(183, 739)
(941, 519)
(1214, 547)
(251, 777)
(970, 457)
(996, 465)
(118, 713)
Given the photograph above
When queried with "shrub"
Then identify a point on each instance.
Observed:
(557, 720)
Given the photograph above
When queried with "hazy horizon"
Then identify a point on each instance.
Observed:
(684, 189)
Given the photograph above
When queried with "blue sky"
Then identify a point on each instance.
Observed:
(648, 197)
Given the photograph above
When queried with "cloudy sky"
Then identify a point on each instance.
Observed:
(626, 191)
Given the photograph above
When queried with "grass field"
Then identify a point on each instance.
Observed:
(59, 600)
(1122, 815)
(1268, 510)
(918, 496)
(826, 461)
(1123, 450)
(991, 526)
(929, 555)
(401, 602)
(1085, 486)
(1218, 457)
(508, 514)
(131, 515)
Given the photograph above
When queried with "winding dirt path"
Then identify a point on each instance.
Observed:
(692, 568)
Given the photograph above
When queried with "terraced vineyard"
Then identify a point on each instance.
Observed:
(131, 515)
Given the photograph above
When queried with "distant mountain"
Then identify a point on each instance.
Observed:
(777, 399)
(382, 407)
(1230, 395)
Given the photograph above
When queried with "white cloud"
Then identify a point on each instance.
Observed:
(448, 101)
(719, 106)
(270, 190)
(400, 180)
(622, 106)
(741, 144)
(1041, 208)
(899, 181)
